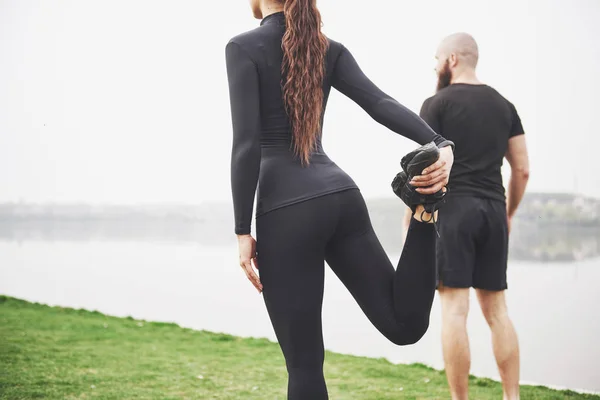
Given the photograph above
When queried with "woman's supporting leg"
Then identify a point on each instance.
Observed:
(397, 301)
(292, 243)
(291, 251)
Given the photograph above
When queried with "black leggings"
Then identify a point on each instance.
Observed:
(292, 244)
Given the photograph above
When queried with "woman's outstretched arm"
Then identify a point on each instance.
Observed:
(349, 79)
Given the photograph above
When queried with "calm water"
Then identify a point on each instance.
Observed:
(554, 306)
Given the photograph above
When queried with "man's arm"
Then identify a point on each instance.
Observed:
(406, 221)
(518, 159)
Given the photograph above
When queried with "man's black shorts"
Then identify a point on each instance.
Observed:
(472, 250)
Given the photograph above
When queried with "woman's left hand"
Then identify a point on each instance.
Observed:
(436, 176)
(247, 247)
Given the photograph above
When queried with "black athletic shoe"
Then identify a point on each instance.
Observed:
(412, 198)
(398, 185)
(413, 164)
(417, 160)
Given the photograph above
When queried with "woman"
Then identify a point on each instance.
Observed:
(309, 211)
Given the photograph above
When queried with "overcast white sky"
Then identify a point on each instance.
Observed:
(126, 101)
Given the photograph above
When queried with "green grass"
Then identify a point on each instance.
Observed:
(59, 353)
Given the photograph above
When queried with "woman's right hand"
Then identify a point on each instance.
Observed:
(247, 249)
(436, 176)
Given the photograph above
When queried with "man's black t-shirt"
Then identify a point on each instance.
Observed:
(480, 122)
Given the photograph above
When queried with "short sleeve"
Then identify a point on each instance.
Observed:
(516, 127)
(431, 113)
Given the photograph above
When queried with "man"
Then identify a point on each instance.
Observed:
(476, 217)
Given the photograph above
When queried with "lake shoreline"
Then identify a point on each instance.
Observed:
(547, 228)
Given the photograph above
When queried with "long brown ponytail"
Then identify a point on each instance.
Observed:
(303, 69)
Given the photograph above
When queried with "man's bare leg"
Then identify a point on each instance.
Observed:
(455, 341)
(504, 340)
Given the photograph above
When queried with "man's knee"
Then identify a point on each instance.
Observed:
(493, 305)
(455, 303)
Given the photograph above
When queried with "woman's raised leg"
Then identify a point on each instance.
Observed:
(397, 301)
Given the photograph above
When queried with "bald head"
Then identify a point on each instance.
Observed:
(463, 46)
